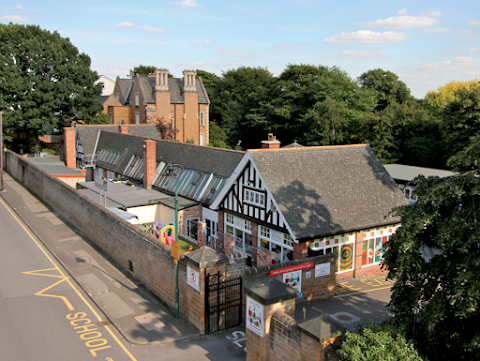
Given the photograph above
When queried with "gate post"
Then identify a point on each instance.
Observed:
(263, 299)
(201, 262)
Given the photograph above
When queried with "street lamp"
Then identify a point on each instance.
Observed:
(170, 172)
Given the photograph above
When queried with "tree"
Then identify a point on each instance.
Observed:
(166, 130)
(143, 70)
(44, 81)
(377, 343)
(440, 98)
(217, 136)
(100, 118)
(434, 259)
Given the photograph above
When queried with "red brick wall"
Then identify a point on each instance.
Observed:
(191, 120)
(149, 163)
(300, 250)
(70, 147)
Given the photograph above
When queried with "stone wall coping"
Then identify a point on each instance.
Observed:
(317, 260)
(206, 257)
(270, 291)
(321, 328)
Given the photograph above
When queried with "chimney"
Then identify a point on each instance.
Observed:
(271, 143)
(189, 81)
(161, 79)
(70, 147)
(149, 162)
(123, 129)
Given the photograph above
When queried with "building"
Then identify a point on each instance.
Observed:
(284, 204)
(180, 104)
(107, 85)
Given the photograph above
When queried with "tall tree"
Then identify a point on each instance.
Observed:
(440, 98)
(44, 80)
(434, 259)
(143, 70)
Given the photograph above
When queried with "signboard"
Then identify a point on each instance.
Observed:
(175, 250)
(254, 315)
(297, 267)
(293, 279)
(193, 278)
(101, 183)
(322, 269)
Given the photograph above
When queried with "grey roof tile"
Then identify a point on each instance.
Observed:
(175, 86)
(323, 191)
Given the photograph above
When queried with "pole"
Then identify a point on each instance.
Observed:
(177, 306)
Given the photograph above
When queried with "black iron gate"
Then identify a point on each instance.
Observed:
(223, 303)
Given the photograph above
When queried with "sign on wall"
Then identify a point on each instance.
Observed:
(293, 279)
(297, 267)
(254, 315)
(322, 269)
(193, 278)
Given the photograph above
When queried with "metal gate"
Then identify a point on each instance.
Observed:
(223, 303)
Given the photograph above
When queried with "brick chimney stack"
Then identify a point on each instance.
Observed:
(70, 147)
(149, 162)
(271, 143)
(189, 81)
(123, 129)
(161, 79)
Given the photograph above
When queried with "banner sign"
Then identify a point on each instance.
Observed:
(297, 267)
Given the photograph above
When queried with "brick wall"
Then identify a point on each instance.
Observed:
(70, 151)
(148, 258)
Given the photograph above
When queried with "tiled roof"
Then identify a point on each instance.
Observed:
(218, 161)
(88, 134)
(124, 87)
(175, 86)
(323, 191)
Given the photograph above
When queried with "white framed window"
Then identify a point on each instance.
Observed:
(137, 118)
(202, 139)
(229, 218)
(118, 97)
(137, 99)
(278, 242)
(254, 197)
(242, 231)
(201, 119)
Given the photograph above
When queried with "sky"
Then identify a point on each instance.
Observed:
(426, 43)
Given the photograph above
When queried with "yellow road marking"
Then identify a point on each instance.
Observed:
(37, 273)
(65, 299)
(69, 282)
(356, 293)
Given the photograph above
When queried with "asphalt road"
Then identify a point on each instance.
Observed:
(43, 313)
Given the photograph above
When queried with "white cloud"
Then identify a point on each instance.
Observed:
(402, 12)
(467, 34)
(154, 29)
(474, 50)
(18, 7)
(14, 19)
(438, 30)
(449, 49)
(367, 37)
(185, 3)
(436, 70)
(434, 13)
(237, 53)
(474, 22)
(364, 54)
(125, 24)
(403, 22)
(201, 42)
(282, 46)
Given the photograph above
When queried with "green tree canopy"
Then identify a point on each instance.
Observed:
(143, 70)
(434, 259)
(44, 80)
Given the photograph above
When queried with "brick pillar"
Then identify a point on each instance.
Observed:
(201, 226)
(264, 257)
(228, 243)
(123, 129)
(300, 250)
(149, 162)
(358, 252)
(263, 299)
(70, 147)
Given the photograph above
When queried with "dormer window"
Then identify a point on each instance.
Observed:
(137, 99)
(254, 197)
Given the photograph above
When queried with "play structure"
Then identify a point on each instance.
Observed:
(166, 233)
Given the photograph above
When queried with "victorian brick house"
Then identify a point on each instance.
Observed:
(181, 104)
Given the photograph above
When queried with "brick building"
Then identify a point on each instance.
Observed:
(181, 104)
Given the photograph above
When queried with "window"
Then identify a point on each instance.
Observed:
(229, 218)
(201, 121)
(278, 242)
(137, 99)
(137, 118)
(242, 230)
(192, 228)
(118, 97)
(254, 197)
(201, 139)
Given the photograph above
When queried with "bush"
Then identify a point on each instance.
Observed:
(378, 343)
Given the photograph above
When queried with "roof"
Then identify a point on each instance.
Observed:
(175, 87)
(88, 134)
(55, 167)
(323, 191)
(125, 85)
(408, 173)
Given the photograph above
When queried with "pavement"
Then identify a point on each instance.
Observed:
(140, 316)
